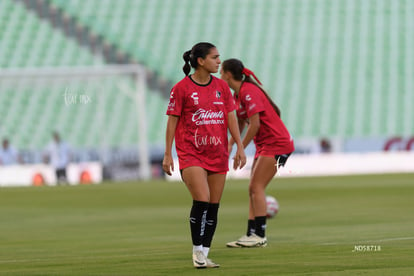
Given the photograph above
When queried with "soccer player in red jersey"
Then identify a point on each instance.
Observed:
(200, 110)
(273, 143)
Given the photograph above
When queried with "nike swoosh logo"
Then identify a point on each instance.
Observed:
(199, 263)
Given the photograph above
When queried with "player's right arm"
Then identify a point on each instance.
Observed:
(240, 156)
(168, 162)
(252, 129)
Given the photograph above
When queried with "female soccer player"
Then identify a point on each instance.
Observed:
(273, 144)
(201, 109)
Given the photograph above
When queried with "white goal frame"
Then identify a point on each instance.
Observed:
(138, 96)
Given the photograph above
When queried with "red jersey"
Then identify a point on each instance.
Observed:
(201, 133)
(273, 135)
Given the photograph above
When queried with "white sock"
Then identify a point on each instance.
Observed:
(197, 248)
(206, 250)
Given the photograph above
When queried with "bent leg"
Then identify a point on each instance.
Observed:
(262, 174)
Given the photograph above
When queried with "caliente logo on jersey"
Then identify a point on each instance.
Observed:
(208, 117)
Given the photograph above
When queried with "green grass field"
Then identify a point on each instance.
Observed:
(325, 226)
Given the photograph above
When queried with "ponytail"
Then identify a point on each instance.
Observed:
(187, 66)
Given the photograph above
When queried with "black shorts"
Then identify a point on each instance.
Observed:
(281, 159)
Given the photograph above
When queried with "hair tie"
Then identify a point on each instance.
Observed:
(249, 73)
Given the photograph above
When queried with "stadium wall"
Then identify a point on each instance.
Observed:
(329, 164)
(41, 174)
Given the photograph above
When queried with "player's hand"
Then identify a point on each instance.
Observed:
(168, 164)
(239, 159)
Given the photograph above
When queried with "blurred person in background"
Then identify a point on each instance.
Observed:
(58, 154)
(8, 154)
(273, 143)
(325, 145)
(200, 111)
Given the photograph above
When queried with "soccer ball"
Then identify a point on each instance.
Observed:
(272, 206)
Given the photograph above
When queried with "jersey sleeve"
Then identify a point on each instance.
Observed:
(175, 104)
(252, 101)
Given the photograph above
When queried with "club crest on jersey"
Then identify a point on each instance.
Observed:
(218, 94)
(195, 97)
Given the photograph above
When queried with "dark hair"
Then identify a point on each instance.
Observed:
(235, 67)
(190, 57)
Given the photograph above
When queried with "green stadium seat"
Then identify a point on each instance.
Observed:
(327, 64)
(31, 42)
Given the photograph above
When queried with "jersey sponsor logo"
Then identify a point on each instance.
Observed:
(195, 97)
(248, 98)
(218, 103)
(208, 117)
(206, 140)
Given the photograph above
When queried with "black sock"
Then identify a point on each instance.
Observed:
(260, 226)
(211, 223)
(251, 227)
(198, 221)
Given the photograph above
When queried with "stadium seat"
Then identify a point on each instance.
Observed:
(28, 116)
(335, 68)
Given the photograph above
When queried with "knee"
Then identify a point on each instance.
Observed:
(255, 190)
(252, 190)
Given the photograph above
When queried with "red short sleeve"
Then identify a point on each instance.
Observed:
(175, 105)
(252, 101)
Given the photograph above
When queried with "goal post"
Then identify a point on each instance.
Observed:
(101, 107)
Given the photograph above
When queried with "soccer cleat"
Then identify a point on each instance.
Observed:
(253, 241)
(199, 260)
(233, 244)
(211, 264)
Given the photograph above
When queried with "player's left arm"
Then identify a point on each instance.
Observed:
(252, 129)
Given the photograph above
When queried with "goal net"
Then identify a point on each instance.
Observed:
(100, 111)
